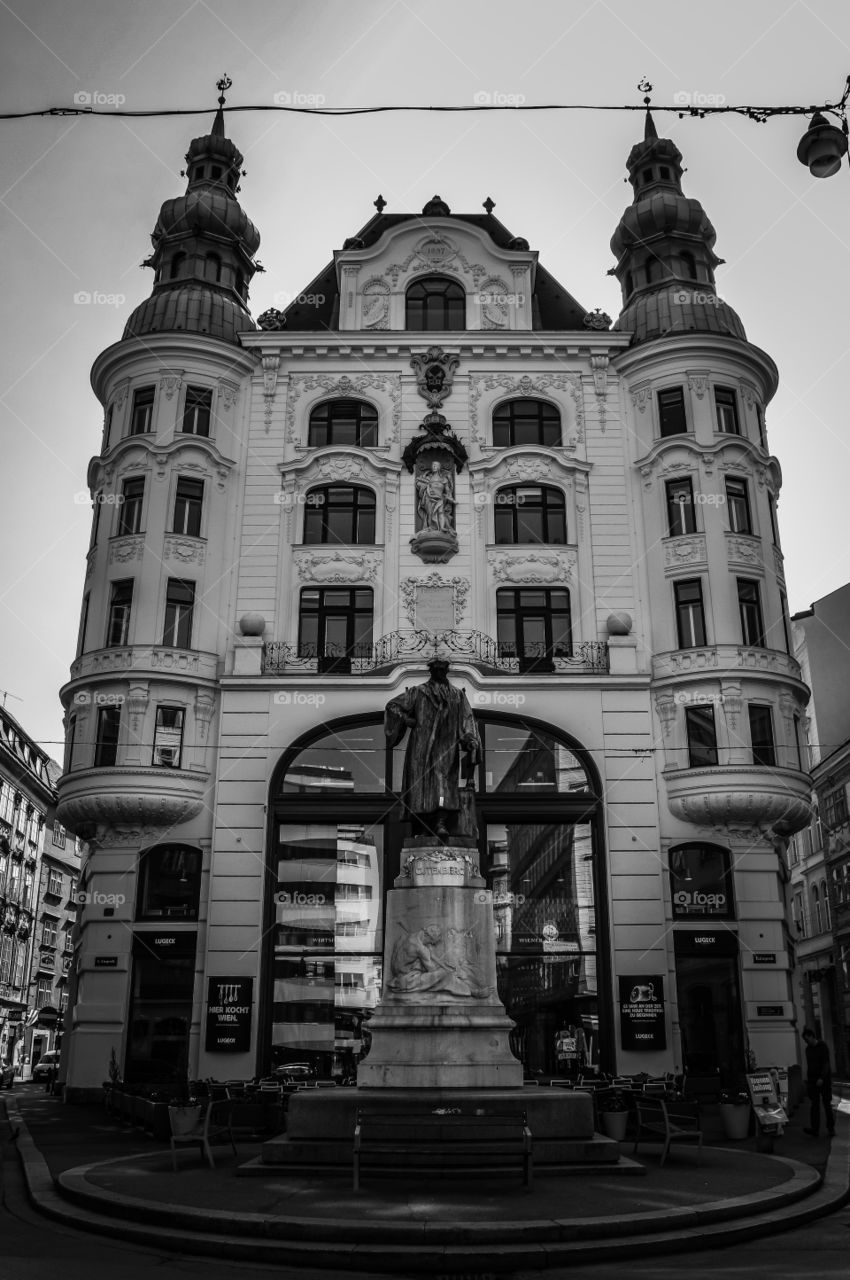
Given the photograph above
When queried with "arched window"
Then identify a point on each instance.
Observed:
(530, 513)
(344, 422)
(689, 265)
(336, 846)
(212, 268)
(435, 304)
(177, 265)
(340, 513)
(169, 883)
(533, 625)
(524, 421)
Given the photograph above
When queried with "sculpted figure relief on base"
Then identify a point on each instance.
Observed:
(439, 960)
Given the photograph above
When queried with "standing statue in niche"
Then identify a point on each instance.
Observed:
(442, 727)
(436, 499)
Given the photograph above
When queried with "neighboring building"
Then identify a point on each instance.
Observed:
(435, 444)
(820, 875)
(39, 862)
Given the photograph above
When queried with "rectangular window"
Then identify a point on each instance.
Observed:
(107, 427)
(534, 626)
(835, 808)
(761, 735)
(690, 615)
(749, 607)
(120, 605)
(197, 412)
(55, 882)
(141, 418)
(69, 746)
(168, 737)
(188, 505)
(771, 507)
(95, 524)
(130, 513)
(786, 623)
(106, 740)
(58, 837)
(726, 410)
(681, 513)
(335, 625)
(49, 932)
(84, 623)
(43, 992)
(179, 611)
(702, 737)
(738, 503)
(671, 412)
(760, 420)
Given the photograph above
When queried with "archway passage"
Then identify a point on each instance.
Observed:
(335, 842)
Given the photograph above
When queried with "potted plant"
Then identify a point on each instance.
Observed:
(735, 1113)
(614, 1115)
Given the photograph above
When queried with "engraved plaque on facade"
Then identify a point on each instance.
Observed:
(435, 609)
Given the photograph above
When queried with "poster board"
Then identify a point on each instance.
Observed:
(764, 1097)
(229, 1008)
(642, 1018)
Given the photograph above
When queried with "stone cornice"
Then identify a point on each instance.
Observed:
(136, 357)
(649, 358)
(399, 343)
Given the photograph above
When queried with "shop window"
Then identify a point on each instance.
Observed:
(340, 513)
(435, 305)
(530, 513)
(169, 883)
(681, 512)
(526, 422)
(672, 420)
(701, 882)
(341, 422)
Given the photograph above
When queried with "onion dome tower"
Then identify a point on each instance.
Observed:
(204, 247)
(664, 245)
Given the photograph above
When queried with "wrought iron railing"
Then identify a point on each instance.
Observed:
(591, 656)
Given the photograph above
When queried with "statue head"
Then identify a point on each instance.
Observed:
(439, 669)
(435, 466)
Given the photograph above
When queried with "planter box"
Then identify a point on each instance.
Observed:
(614, 1124)
(183, 1120)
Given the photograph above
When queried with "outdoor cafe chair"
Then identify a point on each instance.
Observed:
(214, 1120)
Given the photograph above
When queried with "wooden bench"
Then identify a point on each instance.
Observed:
(442, 1143)
(657, 1122)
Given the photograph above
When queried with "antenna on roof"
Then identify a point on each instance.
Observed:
(6, 694)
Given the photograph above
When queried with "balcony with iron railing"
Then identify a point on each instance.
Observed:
(590, 657)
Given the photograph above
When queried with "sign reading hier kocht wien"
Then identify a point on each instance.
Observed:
(229, 1007)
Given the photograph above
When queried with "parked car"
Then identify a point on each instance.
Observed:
(47, 1063)
(7, 1075)
(295, 1072)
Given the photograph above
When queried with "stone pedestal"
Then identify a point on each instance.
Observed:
(440, 1023)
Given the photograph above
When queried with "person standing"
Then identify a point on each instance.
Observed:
(818, 1082)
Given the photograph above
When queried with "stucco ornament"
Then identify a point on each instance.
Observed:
(434, 370)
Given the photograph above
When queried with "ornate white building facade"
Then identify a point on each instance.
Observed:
(434, 447)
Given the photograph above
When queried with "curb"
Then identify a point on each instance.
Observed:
(420, 1248)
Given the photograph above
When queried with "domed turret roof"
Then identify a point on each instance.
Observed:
(195, 308)
(209, 208)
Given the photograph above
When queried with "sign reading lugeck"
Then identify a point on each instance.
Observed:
(230, 1003)
(642, 1012)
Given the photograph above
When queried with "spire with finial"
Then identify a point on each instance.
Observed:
(664, 245)
(204, 246)
(380, 204)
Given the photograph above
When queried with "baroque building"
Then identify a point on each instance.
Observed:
(434, 448)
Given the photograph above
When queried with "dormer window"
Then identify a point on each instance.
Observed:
(647, 175)
(689, 265)
(212, 267)
(176, 265)
(435, 305)
(215, 172)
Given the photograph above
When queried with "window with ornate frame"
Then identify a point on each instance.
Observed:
(529, 513)
(525, 421)
(435, 304)
(342, 513)
(343, 422)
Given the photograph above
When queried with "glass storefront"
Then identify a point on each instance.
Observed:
(337, 847)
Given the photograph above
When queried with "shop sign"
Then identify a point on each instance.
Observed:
(106, 962)
(230, 1005)
(764, 957)
(642, 1023)
(715, 942)
(769, 1010)
(165, 944)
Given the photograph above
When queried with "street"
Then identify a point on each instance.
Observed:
(33, 1246)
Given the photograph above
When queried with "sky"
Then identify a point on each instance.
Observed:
(79, 197)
